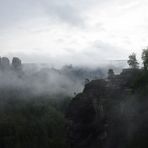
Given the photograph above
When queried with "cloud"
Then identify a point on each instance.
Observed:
(16, 11)
(72, 31)
(65, 11)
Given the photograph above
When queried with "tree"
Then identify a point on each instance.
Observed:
(145, 58)
(132, 61)
(111, 74)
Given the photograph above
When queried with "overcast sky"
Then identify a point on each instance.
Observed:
(72, 31)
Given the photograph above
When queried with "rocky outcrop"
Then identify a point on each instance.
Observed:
(85, 128)
(95, 116)
(5, 64)
(16, 63)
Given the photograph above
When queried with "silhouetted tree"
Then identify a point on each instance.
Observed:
(145, 58)
(110, 74)
(132, 62)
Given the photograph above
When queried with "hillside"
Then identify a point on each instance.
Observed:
(110, 113)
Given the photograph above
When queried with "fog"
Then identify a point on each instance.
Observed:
(44, 81)
(36, 79)
(32, 79)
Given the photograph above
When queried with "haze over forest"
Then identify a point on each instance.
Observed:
(73, 73)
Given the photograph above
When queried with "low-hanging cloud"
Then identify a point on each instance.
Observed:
(39, 82)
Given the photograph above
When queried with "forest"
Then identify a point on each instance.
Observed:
(73, 107)
(34, 101)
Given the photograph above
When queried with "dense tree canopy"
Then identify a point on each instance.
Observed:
(133, 61)
(145, 58)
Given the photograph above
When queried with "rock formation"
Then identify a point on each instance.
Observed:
(16, 63)
(97, 117)
(5, 63)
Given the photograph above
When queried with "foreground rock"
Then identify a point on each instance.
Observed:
(107, 114)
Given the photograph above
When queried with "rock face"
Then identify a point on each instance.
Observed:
(16, 63)
(87, 121)
(5, 63)
(96, 118)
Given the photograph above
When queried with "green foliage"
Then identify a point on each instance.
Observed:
(145, 58)
(133, 61)
(35, 123)
(140, 83)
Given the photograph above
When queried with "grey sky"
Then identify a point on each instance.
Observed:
(72, 31)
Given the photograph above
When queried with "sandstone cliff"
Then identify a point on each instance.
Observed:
(107, 115)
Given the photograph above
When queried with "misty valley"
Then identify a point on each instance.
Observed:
(34, 100)
(73, 74)
(73, 107)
